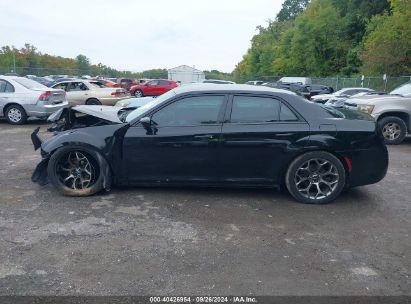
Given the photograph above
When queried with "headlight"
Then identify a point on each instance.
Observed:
(122, 104)
(366, 108)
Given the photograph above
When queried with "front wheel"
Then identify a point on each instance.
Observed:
(138, 93)
(77, 171)
(315, 178)
(393, 129)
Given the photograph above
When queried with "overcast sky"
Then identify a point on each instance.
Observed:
(138, 35)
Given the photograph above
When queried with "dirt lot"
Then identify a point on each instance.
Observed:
(200, 241)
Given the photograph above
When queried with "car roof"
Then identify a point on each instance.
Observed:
(211, 87)
(10, 77)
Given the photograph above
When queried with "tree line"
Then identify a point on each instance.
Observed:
(30, 61)
(332, 37)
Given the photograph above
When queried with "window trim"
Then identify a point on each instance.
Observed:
(178, 98)
(8, 83)
(227, 116)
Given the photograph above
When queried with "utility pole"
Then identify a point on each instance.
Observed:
(14, 62)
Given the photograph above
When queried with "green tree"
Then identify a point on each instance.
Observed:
(291, 9)
(387, 45)
(83, 65)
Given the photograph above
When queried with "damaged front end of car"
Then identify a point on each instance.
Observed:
(98, 127)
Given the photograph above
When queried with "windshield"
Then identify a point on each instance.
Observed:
(402, 90)
(156, 101)
(30, 84)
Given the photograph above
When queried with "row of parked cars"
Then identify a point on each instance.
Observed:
(392, 110)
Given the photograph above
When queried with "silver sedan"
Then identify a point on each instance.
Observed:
(21, 98)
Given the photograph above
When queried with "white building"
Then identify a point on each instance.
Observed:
(186, 74)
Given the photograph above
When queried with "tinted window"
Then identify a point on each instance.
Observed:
(190, 111)
(254, 109)
(286, 114)
(163, 83)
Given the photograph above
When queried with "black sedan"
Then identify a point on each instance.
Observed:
(214, 135)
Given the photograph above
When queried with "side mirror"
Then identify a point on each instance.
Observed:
(146, 122)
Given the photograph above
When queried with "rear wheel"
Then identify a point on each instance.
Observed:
(138, 93)
(77, 171)
(93, 102)
(315, 178)
(15, 114)
(393, 129)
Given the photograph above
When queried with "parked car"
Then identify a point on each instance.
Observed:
(104, 83)
(153, 88)
(125, 83)
(343, 93)
(43, 80)
(255, 82)
(84, 92)
(285, 82)
(21, 98)
(391, 111)
(217, 81)
(216, 135)
(308, 91)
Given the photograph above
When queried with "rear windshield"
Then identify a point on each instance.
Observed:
(333, 111)
(29, 84)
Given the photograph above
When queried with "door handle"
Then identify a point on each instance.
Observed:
(208, 136)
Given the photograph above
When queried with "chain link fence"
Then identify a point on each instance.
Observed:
(375, 83)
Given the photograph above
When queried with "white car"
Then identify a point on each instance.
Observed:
(21, 98)
(341, 94)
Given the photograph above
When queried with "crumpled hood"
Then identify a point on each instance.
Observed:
(103, 112)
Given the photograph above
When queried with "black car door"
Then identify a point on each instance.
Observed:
(181, 144)
(260, 136)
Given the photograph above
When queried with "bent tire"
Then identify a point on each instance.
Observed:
(393, 129)
(77, 171)
(93, 102)
(138, 93)
(15, 114)
(315, 178)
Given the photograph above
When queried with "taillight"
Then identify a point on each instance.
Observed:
(45, 96)
(118, 92)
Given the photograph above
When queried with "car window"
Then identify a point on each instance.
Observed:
(153, 83)
(61, 86)
(77, 86)
(286, 114)
(29, 84)
(200, 110)
(403, 90)
(6, 87)
(163, 83)
(248, 109)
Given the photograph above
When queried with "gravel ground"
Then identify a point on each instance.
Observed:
(200, 241)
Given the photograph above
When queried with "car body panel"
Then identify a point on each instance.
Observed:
(29, 98)
(225, 153)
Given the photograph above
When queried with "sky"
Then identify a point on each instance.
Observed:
(138, 35)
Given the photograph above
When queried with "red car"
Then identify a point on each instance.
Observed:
(153, 88)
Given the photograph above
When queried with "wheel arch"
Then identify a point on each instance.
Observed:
(10, 104)
(399, 114)
(338, 155)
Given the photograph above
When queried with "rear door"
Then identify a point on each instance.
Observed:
(77, 93)
(260, 136)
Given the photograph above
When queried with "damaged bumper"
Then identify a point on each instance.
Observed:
(40, 173)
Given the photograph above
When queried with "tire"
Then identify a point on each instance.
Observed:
(313, 173)
(138, 93)
(393, 130)
(86, 179)
(93, 102)
(15, 114)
